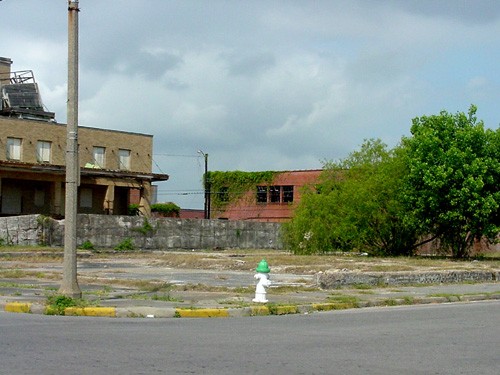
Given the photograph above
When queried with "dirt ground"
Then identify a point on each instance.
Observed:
(239, 260)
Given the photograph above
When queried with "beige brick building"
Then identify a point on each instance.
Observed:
(33, 152)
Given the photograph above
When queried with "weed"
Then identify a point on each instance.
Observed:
(408, 300)
(157, 287)
(145, 229)
(362, 286)
(57, 304)
(342, 301)
(448, 296)
(234, 302)
(165, 298)
(126, 244)
(16, 285)
(13, 274)
(366, 292)
(87, 245)
(390, 302)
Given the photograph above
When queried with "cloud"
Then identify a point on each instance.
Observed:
(261, 85)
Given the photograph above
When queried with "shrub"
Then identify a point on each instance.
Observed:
(87, 245)
(166, 209)
(133, 209)
(126, 244)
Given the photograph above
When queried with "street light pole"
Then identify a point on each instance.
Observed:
(206, 207)
(69, 286)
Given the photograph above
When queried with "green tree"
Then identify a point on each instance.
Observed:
(358, 206)
(452, 185)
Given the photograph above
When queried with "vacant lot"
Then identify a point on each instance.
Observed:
(279, 261)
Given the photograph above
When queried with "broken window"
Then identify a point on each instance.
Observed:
(287, 194)
(261, 194)
(274, 194)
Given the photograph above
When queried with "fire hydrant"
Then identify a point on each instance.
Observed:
(263, 276)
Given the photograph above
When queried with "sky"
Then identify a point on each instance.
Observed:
(259, 85)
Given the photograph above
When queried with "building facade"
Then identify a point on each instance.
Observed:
(33, 157)
(273, 201)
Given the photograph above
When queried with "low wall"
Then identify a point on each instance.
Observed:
(332, 280)
(106, 231)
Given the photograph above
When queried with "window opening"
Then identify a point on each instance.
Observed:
(261, 194)
(274, 194)
(287, 194)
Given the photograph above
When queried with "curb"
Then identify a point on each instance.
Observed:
(258, 310)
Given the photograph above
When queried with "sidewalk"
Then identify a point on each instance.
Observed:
(204, 293)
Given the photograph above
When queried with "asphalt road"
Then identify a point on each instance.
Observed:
(431, 339)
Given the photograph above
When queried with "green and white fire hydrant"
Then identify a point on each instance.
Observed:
(263, 276)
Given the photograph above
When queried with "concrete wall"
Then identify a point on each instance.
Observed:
(105, 231)
(333, 280)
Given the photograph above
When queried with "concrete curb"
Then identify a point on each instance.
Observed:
(258, 310)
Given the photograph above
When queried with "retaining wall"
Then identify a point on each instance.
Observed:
(332, 280)
(106, 231)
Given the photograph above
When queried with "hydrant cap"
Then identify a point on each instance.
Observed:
(263, 267)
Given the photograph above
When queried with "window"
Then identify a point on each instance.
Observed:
(99, 156)
(124, 159)
(13, 148)
(223, 194)
(274, 194)
(261, 194)
(287, 194)
(43, 151)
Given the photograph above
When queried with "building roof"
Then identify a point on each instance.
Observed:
(86, 172)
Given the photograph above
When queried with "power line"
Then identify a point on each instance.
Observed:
(178, 155)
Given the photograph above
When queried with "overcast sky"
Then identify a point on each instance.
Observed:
(260, 85)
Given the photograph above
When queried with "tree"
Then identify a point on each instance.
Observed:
(452, 186)
(358, 206)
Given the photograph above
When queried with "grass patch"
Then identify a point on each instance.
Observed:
(166, 297)
(17, 285)
(234, 303)
(367, 292)
(362, 286)
(390, 302)
(342, 301)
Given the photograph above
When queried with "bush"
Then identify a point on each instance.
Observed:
(126, 244)
(166, 209)
(133, 209)
(87, 245)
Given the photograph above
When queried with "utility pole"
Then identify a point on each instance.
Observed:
(69, 285)
(206, 183)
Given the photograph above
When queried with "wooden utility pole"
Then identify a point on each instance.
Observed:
(69, 285)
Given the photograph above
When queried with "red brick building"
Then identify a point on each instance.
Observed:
(269, 202)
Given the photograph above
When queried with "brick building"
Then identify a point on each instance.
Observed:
(33, 151)
(269, 202)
